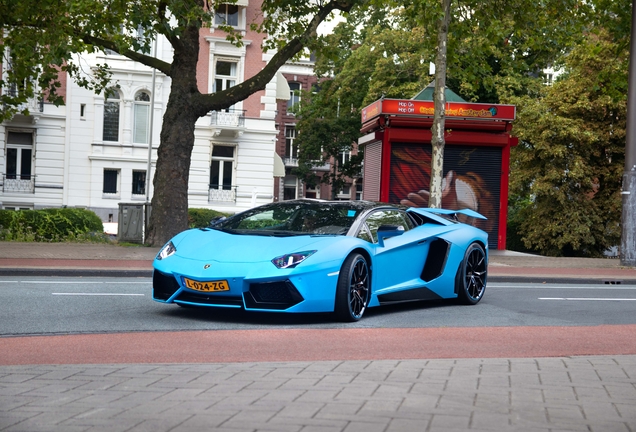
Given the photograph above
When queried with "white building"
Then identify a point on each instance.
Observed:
(94, 151)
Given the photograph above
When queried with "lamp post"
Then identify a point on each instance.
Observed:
(150, 129)
(628, 234)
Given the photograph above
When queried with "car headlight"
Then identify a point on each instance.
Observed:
(166, 251)
(291, 260)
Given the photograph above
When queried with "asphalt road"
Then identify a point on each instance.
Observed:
(45, 306)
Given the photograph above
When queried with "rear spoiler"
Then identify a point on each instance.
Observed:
(465, 212)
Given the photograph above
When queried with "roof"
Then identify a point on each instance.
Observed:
(427, 94)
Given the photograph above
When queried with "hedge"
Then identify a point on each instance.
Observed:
(72, 224)
(51, 225)
(201, 217)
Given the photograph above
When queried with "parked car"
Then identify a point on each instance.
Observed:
(324, 256)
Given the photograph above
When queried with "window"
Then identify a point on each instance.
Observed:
(289, 188)
(345, 192)
(111, 181)
(383, 217)
(19, 162)
(221, 169)
(139, 182)
(359, 190)
(294, 96)
(291, 149)
(225, 74)
(312, 191)
(227, 14)
(344, 157)
(141, 117)
(111, 116)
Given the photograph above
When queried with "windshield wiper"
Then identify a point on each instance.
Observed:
(273, 233)
(227, 230)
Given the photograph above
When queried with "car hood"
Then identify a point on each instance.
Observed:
(214, 245)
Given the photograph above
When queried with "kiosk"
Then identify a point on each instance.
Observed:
(396, 138)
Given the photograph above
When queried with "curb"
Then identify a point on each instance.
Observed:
(75, 272)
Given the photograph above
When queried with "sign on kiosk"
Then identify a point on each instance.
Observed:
(465, 110)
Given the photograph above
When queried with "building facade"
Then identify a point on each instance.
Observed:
(99, 150)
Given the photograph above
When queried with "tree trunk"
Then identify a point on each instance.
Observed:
(170, 198)
(439, 97)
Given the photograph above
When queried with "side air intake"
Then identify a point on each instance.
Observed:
(436, 260)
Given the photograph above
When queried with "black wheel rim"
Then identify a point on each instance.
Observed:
(359, 288)
(476, 273)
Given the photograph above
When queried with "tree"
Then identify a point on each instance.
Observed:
(43, 38)
(328, 128)
(439, 95)
(490, 46)
(570, 159)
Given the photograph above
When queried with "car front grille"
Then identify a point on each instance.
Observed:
(210, 299)
(163, 285)
(277, 295)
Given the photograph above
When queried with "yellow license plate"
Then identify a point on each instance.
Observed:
(207, 286)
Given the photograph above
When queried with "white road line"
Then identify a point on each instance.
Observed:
(587, 299)
(565, 286)
(96, 294)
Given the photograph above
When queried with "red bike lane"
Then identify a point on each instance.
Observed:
(315, 345)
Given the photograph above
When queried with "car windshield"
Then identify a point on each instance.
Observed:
(292, 218)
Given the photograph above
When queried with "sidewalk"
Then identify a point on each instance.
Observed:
(385, 380)
(67, 259)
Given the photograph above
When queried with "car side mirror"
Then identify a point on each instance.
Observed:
(388, 231)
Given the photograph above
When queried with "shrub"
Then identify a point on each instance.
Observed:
(51, 225)
(201, 217)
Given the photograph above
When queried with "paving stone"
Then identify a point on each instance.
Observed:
(592, 394)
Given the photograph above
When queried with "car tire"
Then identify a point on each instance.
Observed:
(472, 275)
(353, 290)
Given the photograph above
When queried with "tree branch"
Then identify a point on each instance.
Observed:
(211, 102)
(145, 59)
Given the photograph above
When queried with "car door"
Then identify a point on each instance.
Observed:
(398, 260)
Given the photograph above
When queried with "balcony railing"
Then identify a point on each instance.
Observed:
(18, 183)
(33, 104)
(230, 119)
(221, 195)
(292, 162)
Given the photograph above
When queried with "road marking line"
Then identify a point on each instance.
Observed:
(588, 299)
(81, 282)
(96, 294)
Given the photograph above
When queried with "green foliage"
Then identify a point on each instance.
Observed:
(42, 38)
(201, 217)
(329, 126)
(490, 42)
(570, 160)
(51, 225)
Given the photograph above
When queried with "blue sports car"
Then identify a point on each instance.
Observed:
(325, 256)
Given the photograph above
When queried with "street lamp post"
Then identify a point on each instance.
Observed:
(628, 233)
(150, 130)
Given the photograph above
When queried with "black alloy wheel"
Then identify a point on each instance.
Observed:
(353, 290)
(472, 275)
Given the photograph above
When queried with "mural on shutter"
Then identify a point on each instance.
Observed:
(472, 177)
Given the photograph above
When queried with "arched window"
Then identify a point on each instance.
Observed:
(141, 112)
(111, 116)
